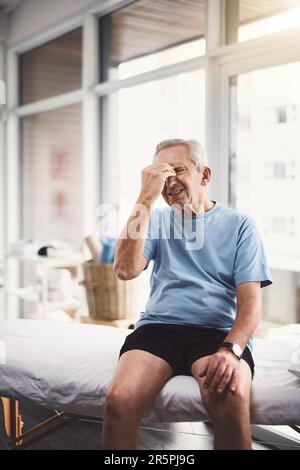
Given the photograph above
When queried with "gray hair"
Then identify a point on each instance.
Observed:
(197, 154)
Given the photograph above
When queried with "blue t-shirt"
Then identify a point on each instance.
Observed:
(198, 262)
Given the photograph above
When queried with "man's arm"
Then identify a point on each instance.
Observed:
(129, 260)
(248, 313)
(222, 368)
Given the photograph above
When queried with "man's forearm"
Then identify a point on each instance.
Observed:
(130, 246)
(246, 322)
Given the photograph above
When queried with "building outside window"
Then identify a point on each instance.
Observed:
(266, 176)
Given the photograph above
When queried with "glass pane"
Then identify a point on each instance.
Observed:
(259, 18)
(52, 69)
(146, 34)
(52, 176)
(265, 175)
(145, 114)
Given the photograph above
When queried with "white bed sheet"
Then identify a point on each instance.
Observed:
(68, 367)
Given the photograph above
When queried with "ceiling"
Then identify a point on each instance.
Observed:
(147, 26)
(250, 8)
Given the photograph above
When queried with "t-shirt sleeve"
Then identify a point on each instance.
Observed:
(150, 248)
(250, 260)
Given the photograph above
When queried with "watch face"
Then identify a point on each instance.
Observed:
(237, 350)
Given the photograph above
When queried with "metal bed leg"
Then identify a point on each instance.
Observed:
(43, 429)
(13, 425)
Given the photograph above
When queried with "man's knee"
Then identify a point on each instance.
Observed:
(228, 404)
(121, 403)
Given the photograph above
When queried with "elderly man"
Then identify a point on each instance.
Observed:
(204, 303)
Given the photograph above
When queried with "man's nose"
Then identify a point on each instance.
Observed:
(170, 181)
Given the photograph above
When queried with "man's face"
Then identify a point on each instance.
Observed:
(185, 187)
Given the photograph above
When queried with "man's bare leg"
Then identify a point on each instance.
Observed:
(138, 379)
(229, 411)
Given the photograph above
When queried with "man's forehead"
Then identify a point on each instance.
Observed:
(174, 156)
(184, 162)
(176, 163)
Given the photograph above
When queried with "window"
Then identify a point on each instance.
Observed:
(52, 176)
(281, 114)
(264, 181)
(146, 35)
(267, 158)
(279, 226)
(172, 107)
(51, 69)
(280, 170)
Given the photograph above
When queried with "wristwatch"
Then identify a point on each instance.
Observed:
(233, 347)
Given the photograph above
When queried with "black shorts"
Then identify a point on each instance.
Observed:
(179, 345)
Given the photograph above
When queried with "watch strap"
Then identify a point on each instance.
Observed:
(230, 347)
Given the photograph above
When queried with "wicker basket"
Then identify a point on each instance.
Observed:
(108, 298)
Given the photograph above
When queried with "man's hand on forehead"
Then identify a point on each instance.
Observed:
(163, 166)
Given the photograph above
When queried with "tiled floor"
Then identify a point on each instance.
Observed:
(180, 436)
(86, 435)
(176, 436)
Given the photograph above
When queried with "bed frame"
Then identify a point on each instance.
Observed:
(13, 425)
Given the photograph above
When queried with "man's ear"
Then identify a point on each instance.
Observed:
(206, 176)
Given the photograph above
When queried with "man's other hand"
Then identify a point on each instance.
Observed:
(221, 370)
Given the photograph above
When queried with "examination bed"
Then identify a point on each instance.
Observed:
(68, 367)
